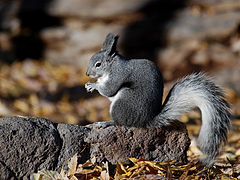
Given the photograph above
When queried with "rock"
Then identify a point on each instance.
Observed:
(8, 12)
(6, 172)
(74, 45)
(93, 8)
(27, 144)
(73, 142)
(229, 77)
(193, 56)
(222, 55)
(118, 143)
(216, 5)
(205, 26)
(174, 58)
(32, 144)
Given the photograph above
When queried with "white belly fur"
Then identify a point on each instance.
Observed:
(113, 99)
(101, 81)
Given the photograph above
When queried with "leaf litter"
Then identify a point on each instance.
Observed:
(140, 169)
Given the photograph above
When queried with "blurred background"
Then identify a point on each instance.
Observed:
(45, 47)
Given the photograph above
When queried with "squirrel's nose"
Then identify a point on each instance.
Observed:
(87, 73)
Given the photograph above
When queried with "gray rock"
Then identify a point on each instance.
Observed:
(27, 144)
(6, 172)
(202, 27)
(229, 77)
(32, 144)
(93, 8)
(73, 142)
(214, 6)
(75, 45)
(118, 143)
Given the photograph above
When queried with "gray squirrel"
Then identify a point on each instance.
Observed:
(135, 89)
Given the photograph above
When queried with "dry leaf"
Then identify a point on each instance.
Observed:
(104, 175)
(120, 170)
(48, 175)
(72, 164)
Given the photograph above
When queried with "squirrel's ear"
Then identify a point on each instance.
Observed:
(110, 44)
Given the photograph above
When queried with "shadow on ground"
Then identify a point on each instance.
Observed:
(143, 38)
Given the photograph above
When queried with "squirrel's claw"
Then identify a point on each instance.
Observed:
(101, 125)
(89, 86)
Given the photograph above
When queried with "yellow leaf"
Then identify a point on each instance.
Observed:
(230, 156)
(71, 119)
(33, 99)
(87, 164)
(4, 110)
(166, 163)
(134, 160)
(86, 171)
(104, 175)
(93, 160)
(120, 170)
(137, 172)
(184, 118)
(72, 164)
(21, 106)
(97, 169)
(169, 172)
(62, 173)
(36, 176)
(153, 165)
(237, 153)
(48, 175)
(133, 168)
(73, 178)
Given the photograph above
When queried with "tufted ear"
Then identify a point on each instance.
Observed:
(110, 44)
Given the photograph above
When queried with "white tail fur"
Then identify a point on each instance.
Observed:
(197, 90)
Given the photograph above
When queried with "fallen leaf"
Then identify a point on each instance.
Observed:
(72, 164)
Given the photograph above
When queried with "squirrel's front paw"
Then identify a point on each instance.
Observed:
(90, 86)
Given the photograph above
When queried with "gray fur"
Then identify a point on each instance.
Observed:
(135, 88)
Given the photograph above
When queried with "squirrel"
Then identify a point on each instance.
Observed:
(135, 89)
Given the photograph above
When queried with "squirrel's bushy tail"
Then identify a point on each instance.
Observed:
(197, 90)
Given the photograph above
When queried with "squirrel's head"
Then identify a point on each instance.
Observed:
(100, 63)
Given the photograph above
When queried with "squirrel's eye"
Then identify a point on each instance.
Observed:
(98, 64)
